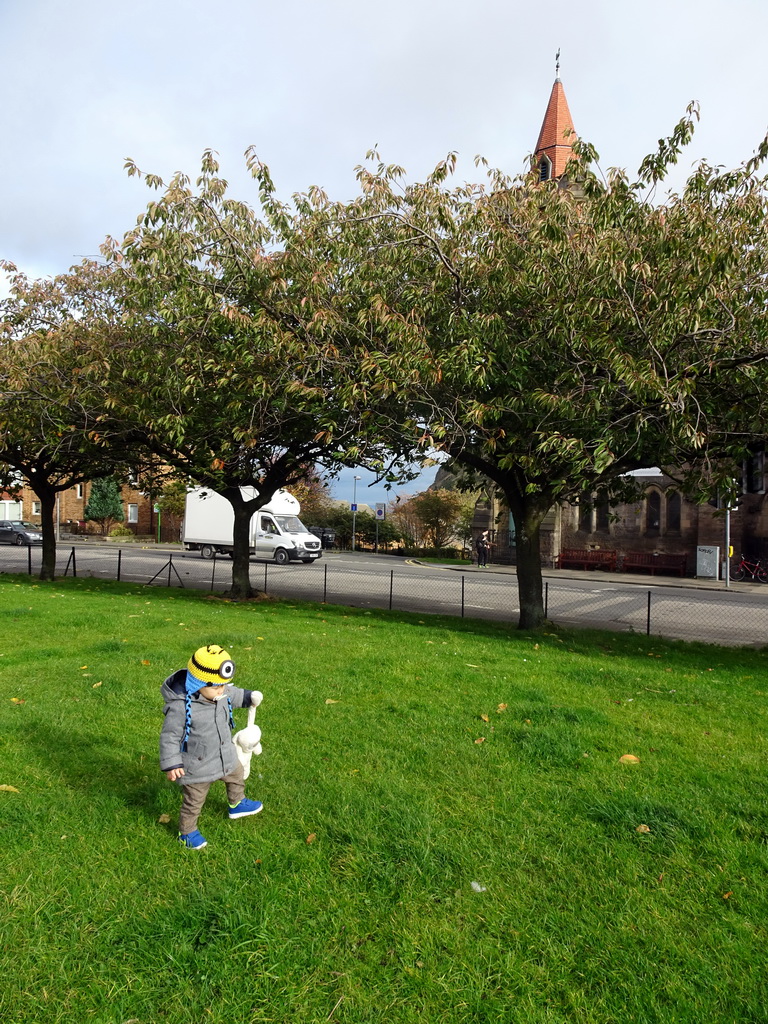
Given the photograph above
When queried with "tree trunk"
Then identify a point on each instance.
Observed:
(528, 515)
(47, 496)
(241, 545)
(529, 582)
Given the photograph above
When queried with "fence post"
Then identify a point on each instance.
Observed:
(546, 599)
(74, 561)
(170, 563)
(29, 559)
(265, 576)
(213, 569)
(648, 621)
(462, 597)
(325, 583)
(119, 562)
(391, 586)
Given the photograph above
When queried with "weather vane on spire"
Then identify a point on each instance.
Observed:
(557, 63)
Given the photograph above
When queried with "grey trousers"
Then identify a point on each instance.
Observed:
(193, 797)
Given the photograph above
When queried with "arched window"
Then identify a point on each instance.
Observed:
(545, 168)
(652, 512)
(673, 512)
(603, 515)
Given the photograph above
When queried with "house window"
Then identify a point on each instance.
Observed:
(754, 473)
(35, 508)
(673, 512)
(585, 517)
(133, 513)
(79, 490)
(653, 512)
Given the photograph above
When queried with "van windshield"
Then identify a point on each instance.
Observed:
(291, 524)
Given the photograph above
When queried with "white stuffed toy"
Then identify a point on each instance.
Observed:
(248, 740)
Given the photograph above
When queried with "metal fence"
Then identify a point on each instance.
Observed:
(735, 617)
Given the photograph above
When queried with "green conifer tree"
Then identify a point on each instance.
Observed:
(105, 505)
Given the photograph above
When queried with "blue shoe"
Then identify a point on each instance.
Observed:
(192, 840)
(244, 808)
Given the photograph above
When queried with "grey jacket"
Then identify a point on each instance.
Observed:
(210, 752)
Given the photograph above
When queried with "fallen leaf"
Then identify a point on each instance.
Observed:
(259, 637)
(643, 828)
(629, 759)
(485, 718)
(535, 647)
(726, 895)
(500, 708)
(527, 721)
(95, 685)
(82, 667)
(476, 887)
(145, 662)
(164, 819)
(330, 701)
(8, 789)
(468, 664)
(480, 739)
(311, 838)
(18, 700)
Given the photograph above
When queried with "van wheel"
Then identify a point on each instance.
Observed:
(207, 551)
(281, 556)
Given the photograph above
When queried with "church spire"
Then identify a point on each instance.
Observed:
(557, 135)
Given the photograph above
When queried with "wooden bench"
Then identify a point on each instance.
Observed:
(647, 561)
(575, 558)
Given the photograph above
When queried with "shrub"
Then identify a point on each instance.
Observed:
(118, 530)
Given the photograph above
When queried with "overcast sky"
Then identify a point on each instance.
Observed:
(313, 85)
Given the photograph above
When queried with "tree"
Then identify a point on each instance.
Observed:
(105, 504)
(403, 514)
(52, 432)
(314, 497)
(558, 340)
(440, 512)
(172, 502)
(262, 371)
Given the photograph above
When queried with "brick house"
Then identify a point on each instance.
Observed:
(138, 511)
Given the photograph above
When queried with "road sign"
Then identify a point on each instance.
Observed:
(381, 510)
(352, 507)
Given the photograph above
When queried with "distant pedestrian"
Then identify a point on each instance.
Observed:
(483, 549)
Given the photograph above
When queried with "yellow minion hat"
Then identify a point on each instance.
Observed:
(209, 666)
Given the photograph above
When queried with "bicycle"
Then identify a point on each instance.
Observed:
(756, 570)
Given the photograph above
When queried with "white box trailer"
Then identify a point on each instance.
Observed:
(276, 532)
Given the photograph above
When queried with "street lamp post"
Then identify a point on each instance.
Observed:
(354, 507)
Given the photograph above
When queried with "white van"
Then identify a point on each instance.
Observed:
(276, 532)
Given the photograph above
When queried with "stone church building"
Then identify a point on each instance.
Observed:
(662, 521)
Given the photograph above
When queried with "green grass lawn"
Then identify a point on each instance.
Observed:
(448, 834)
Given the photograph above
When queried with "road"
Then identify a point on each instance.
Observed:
(684, 609)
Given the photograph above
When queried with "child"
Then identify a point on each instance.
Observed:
(196, 745)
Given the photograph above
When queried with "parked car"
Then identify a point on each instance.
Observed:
(15, 531)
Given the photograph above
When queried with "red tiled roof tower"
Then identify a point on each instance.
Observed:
(557, 135)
